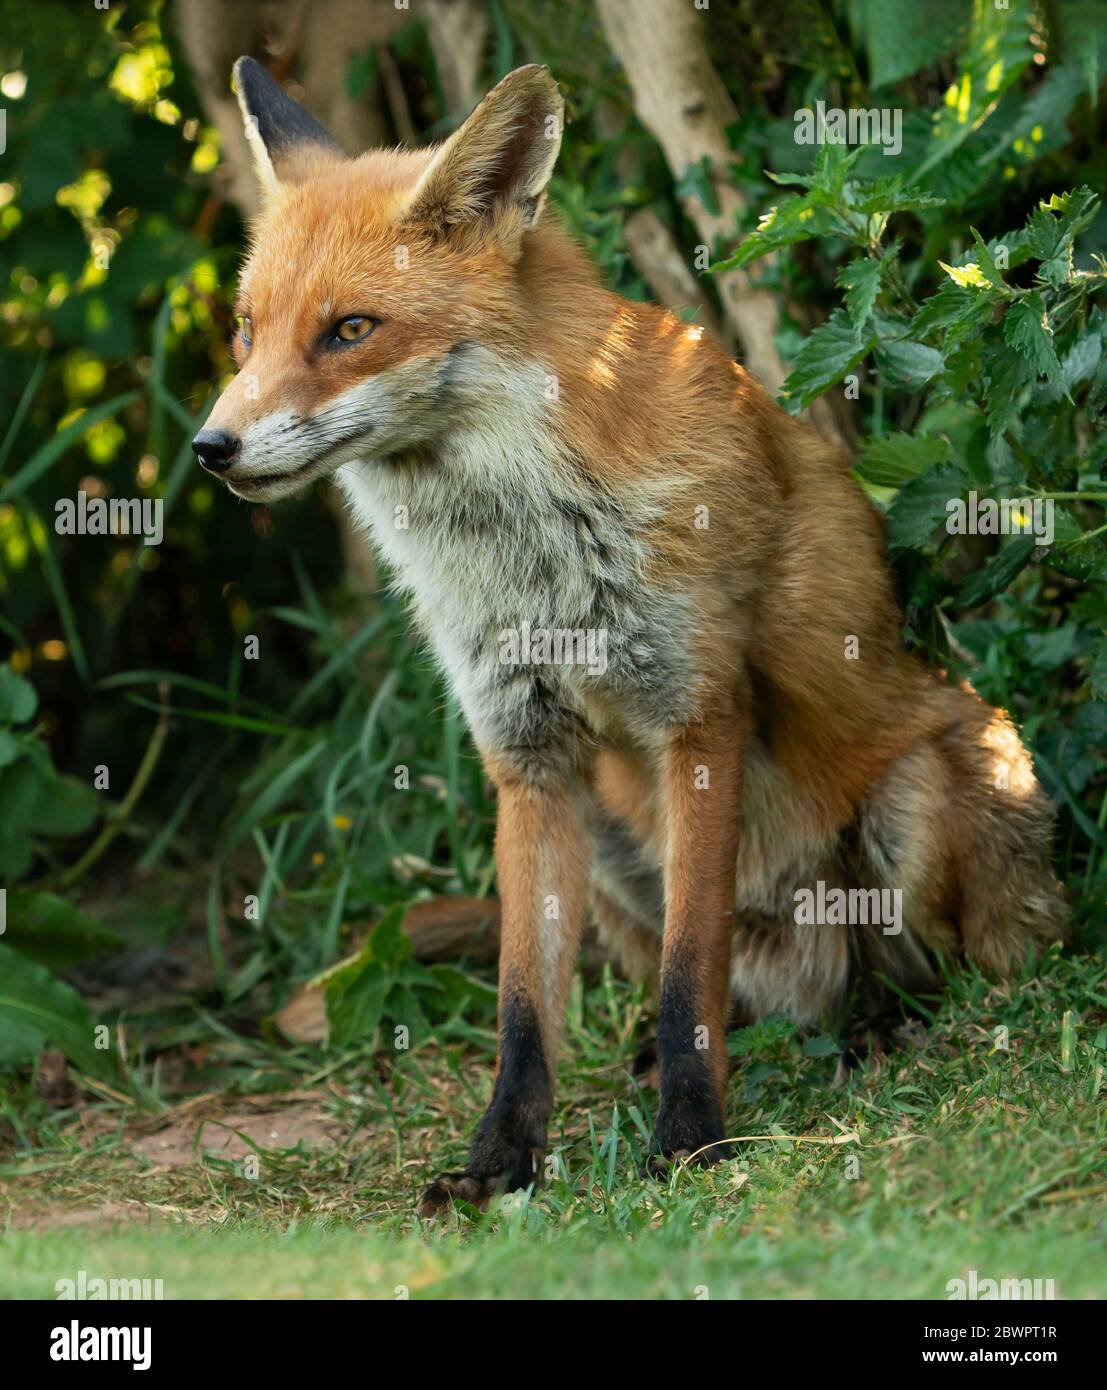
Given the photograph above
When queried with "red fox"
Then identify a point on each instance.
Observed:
(764, 801)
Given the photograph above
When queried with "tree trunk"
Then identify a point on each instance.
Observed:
(682, 102)
(458, 33)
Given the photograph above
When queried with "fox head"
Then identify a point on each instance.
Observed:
(370, 280)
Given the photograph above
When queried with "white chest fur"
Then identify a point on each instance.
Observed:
(530, 579)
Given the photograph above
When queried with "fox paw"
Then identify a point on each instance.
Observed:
(474, 1189)
(688, 1129)
(478, 1189)
(661, 1165)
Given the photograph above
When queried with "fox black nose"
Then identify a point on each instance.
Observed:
(215, 449)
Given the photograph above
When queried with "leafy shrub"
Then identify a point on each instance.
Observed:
(1000, 374)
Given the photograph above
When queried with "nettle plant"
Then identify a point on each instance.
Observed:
(989, 388)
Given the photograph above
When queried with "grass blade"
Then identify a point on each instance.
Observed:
(45, 457)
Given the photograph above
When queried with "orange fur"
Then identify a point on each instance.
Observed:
(828, 751)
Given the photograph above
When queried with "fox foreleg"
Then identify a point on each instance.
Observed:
(543, 856)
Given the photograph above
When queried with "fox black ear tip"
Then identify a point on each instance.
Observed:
(245, 68)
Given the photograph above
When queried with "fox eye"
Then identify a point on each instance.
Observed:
(246, 328)
(353, 329)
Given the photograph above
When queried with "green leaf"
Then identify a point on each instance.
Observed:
(832, 350)
(997, 574)
(459, 988)
(1053, 648)
(15, 855)
(39, 1011)
(860, 279)
(1054, 225)
(986, 262)
(1006, 375)
(1074, 552)
(897, 458)
(52, 931)
(889, 193)
(355, 1009)
(923, 504)
(1097, 669)
(1081, 360)
(952, 308)
(833, 164)
(20, 783)
(904, 39)
(994, 56)
(10, 748)
(795, 219)
(34, 798)
(18, 700)
(63, 806)
(907, 362)
(359, 989)
(1025, 328)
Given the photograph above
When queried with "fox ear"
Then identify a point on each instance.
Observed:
(501, 157)
(285, 140)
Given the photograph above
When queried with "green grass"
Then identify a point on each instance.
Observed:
(535, 1256)
(954, 1154)
(966, 1157)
